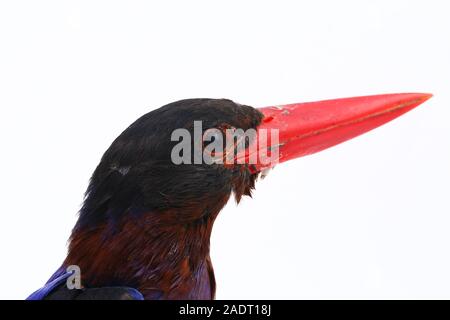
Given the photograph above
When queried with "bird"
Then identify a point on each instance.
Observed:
(143, 230)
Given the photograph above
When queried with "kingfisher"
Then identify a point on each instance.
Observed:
(143, 231)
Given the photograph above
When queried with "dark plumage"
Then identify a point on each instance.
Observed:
(146, 222)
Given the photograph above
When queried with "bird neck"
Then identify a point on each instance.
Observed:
(163, 261)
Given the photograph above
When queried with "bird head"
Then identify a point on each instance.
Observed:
(151, 202)
(138, 172)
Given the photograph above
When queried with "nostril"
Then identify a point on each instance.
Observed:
(267, 119)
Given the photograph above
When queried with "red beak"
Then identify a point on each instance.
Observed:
(306, 128)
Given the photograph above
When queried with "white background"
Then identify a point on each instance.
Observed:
(367, 219)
